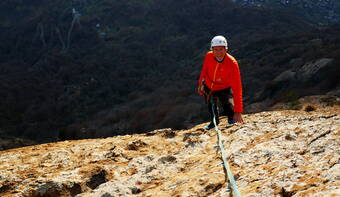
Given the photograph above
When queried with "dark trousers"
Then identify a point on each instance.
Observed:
(223, 96)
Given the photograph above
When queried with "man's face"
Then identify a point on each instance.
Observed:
(219, 52)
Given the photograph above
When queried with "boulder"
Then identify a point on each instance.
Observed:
(307, 71)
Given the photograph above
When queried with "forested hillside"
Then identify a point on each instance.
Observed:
(314, 11)
(78, 69)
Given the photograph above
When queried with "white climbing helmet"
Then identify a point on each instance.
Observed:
(219, 41)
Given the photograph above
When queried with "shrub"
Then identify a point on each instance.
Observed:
(309, 108)
(330, 101)
(294, 105)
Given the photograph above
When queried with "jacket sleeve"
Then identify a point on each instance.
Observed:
(236, 87)
(204, 71)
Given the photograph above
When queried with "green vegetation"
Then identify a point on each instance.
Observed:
(294, 105)
(337, 11)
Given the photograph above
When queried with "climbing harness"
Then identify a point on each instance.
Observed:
(230, 175)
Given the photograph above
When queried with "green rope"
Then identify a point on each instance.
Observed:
(224, 155)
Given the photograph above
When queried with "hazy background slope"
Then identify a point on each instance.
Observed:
(79, 69)
(314, 11)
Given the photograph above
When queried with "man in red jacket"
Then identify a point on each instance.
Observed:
(220, 80)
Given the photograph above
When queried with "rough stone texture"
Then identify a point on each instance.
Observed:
(335, 92)
(7, 142)
(303, 74)
(287, 75)
(279, 153)
(311, 68)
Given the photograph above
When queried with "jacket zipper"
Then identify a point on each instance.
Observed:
(212, 85)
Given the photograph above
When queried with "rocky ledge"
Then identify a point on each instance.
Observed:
(279, 153)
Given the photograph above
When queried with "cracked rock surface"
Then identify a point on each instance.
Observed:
(278, 153)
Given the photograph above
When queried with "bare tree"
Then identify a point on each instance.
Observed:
(51, 38)
(60, 38)
(76, 16)
(40, 33)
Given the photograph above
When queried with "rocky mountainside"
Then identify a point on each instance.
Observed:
(280, 153)
(75, 69)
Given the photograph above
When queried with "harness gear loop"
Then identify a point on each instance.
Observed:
(207, 92)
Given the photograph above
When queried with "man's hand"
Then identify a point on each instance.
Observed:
(200, 90)
(238, 117)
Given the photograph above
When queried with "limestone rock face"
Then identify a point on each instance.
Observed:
(7, 142)
(287, 75)
(303, 74)
(279, 153)
(311, 68)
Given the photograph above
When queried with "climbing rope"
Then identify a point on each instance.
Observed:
(230, 175)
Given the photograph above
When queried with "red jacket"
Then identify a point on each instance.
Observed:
(219, 76)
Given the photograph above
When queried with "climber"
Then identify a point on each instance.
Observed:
(220, 80)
